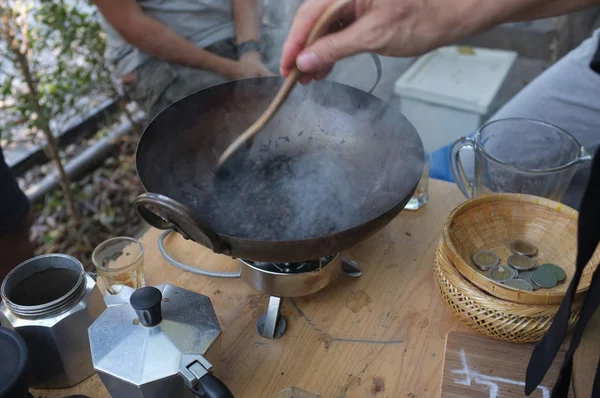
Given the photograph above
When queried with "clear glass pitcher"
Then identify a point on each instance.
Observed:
(519, 156)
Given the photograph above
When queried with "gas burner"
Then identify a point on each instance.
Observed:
(280, 280)
(292, 268)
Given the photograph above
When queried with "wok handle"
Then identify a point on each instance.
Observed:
(378, 67)
(163, 212)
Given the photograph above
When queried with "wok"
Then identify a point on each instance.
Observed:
(334, 166)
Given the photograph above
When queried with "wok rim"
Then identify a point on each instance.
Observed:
(229, 238)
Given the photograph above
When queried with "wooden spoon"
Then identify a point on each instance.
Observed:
(320, 27)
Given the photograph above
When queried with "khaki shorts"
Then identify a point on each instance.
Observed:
(158, 84)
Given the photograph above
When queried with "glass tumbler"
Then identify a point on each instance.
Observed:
(120, 262)
(421, 195)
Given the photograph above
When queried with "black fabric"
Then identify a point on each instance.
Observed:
(14, 205)
(588, 237)
(596, 60)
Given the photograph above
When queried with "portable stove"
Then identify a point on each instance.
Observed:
(278, 280)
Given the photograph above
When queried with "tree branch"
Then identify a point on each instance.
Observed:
(44, 123)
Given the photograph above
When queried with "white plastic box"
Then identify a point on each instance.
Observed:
(448, 92)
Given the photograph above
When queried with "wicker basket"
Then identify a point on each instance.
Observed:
(492, 222)
(500, 319)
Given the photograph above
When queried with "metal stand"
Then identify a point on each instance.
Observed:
(351, 268)
(271, 324)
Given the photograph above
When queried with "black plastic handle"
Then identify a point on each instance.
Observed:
(210, 386)
(147, 305)
(163, 212)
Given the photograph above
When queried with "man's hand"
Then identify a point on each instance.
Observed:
(249, 65)
(403, 28)
(388, 27)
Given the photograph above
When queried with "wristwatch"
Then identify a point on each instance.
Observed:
(247, 47)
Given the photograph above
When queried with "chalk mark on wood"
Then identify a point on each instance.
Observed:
(329, 338)
(471, 376)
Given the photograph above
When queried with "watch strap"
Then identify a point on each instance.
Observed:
(247, 47)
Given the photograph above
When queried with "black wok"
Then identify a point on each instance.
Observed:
(333, 167)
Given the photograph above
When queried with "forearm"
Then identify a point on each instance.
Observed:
(160, 41)
(157, 39)
(246, 15)
(480, 15)
(552, 8)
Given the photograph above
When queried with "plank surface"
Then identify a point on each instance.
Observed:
(382, 335)
(476, 366)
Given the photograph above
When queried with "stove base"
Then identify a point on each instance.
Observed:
(272, 325)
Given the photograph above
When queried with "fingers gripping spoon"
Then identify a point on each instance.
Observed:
(232, 158)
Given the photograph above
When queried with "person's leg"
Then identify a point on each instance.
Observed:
(15, 222)
(568, 95)
(158, 84)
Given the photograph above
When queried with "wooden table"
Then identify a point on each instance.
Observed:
(381, 335)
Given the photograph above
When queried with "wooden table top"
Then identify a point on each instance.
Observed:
(381, 335)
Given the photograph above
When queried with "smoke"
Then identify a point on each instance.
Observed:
(278, 16)
(327, 162)
(331, 159)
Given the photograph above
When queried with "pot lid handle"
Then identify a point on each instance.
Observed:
(146, 303)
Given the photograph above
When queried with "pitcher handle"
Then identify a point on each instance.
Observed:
(458, 171)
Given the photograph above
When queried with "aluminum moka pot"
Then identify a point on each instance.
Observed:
(158, 342)
(50, 301)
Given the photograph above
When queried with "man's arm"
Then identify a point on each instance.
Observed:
(160, 41)
(404, 28)
(246, 15)
(498, 12)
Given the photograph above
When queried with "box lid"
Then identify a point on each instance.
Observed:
(460, 77)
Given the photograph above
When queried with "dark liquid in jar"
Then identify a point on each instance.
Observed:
(44, 287)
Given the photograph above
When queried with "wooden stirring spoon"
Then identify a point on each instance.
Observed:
(323, 23)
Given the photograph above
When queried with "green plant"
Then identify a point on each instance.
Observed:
(51, 66)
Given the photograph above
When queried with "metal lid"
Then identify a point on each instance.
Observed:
(13, 364)
(124, 348)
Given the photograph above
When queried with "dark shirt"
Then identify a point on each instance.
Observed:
(588, 238)
(596, 60)
(14, 205)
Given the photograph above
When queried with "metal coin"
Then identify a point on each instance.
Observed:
(501, 273)
(523, 248)
(485, 259)
(526, 276)
(556, 270)
(521, 263)
(520, 284)
(544, 278)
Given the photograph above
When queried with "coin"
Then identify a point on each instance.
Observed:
(556, 270)
(485, 259)
(521, 263)
(520, 284)
(501, 273)
(523, 248)
(526, 276)
(544, 278)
